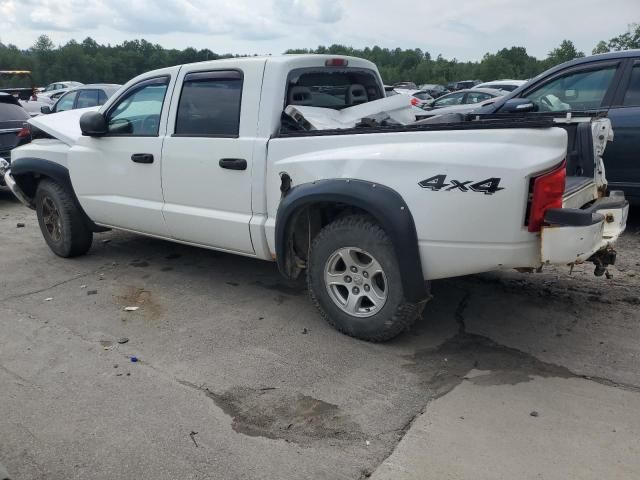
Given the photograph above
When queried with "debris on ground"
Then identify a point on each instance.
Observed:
(83, 286)
(123, 340)
(20, 225)
(48, 299)
(133, 359)
(92, 292)
(534, 414)
(131, 309)
(106, 240)
(305, 331)
(193, 437)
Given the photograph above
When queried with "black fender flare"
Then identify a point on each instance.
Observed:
(23, 168)
(381, 202)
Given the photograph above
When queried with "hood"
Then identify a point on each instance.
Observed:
(65, 126)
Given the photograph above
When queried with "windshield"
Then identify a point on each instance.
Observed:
(332, 88)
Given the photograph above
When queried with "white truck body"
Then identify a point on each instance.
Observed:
(184, 195)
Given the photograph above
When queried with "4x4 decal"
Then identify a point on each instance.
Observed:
(439, 183)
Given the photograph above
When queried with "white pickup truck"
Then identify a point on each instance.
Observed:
(204, 154)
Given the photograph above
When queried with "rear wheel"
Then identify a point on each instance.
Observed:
(355, 282)
(61, 222)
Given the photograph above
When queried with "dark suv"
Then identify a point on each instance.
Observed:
(608, 83)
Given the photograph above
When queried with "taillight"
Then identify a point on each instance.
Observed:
(548, 190)
(24, 132)
(414, 101)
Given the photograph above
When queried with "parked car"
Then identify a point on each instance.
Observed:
(12, 123)
(463, 84)
(52, 87)
(405, 85)
(506, 85)
(419, 98)
(434, 90)
(607, 83)
(466, 97)
(369, 216)
(82, 97)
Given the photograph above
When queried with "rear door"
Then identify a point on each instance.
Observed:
(622, 157)
(207, 158)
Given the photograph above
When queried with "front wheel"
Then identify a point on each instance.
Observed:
(61, 221)
(355, 282)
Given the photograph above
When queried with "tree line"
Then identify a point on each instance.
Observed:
(90, 62)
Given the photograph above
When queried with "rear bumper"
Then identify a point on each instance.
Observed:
(574, 235)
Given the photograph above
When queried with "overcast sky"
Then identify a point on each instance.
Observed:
(464, 29)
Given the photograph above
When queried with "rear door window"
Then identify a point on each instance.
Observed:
(210, 104)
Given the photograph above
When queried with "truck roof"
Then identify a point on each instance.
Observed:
(294, 60)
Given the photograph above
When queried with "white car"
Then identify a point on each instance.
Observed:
(420, 98)
(506, 85)
(204, 154)
(54, 88)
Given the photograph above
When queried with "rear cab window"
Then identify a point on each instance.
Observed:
(329, 87)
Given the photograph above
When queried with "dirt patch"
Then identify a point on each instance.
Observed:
(288, 289)
(139, 297)
(274, 414)
(139, 264)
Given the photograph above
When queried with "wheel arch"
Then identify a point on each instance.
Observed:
(335, 197)
(27, 172)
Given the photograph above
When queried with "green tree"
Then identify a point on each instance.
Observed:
(565, 52)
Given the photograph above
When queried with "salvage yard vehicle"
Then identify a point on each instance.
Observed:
(221, 155)
(18, 83)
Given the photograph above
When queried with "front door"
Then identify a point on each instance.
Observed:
(117, 176)
(208, 158)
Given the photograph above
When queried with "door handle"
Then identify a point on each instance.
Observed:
(142, 158)
(233, 163)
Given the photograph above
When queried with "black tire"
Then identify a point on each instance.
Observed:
(71, 237)
(360, 231)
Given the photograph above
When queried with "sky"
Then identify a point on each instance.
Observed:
(464, 29)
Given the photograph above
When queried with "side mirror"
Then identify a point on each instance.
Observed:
(518, 105)
(93, 124)
(46, 109)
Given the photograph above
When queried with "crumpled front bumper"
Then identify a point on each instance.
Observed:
(573, 236)
(9, 181)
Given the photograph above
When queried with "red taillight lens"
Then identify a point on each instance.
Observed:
(336, 62)
(548, 190)
(414, 101)
(24, 133)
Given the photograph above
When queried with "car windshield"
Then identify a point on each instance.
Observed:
(337, 89)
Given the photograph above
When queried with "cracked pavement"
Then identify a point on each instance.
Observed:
(239, 378)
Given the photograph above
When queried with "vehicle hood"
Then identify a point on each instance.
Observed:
(65, 126)
(465, 108)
